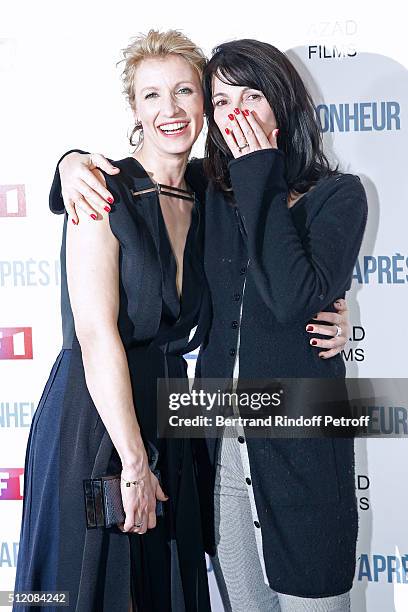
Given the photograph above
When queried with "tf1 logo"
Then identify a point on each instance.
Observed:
(16, 343)
(11, 483)
(12, 201)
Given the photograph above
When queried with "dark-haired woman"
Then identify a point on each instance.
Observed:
(283, 231)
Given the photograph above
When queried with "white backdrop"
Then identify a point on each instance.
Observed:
(59, 88)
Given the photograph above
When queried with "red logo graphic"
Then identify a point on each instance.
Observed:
(16, 343)
(12, 201)
(11, 483)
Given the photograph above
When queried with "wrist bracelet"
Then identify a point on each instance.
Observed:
(131, 482)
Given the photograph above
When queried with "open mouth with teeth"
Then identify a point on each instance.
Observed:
(173, 129)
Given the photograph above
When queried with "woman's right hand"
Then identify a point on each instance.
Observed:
(83, 185)
(139, 501)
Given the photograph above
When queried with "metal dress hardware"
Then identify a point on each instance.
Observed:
(167, 190)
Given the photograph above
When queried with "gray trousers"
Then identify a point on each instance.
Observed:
(237, 567)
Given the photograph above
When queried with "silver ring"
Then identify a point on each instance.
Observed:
(338, 332)
(138, 525)
(243, 146)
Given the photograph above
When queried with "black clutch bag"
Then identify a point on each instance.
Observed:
(103, 499)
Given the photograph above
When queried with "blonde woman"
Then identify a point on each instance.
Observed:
(132, 286)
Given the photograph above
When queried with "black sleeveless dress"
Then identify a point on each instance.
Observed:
(165, 568)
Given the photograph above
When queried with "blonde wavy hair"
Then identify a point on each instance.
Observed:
(156, 44)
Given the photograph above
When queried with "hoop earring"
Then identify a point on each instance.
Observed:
(138, 127)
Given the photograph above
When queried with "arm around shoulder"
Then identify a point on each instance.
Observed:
(55, 200)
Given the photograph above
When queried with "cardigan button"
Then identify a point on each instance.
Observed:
(242, 271)
(234, 325)
(237, 297)
(248, 481)
(232, 352)
(257, 525)
(241, 439)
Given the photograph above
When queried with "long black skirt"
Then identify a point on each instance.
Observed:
(162, 570)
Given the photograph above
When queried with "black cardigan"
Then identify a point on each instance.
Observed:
(301, 260)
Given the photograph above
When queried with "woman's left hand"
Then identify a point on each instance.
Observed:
(243, 133)
(338, 320)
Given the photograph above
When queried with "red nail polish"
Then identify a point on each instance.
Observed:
(227, 131)
(74, 222)
(107, 208)
(309, 328)
(276, 133)
(314, 342)
(231, 116)
(246, 112)
(93, 217)
(110, 200)
(236, 111)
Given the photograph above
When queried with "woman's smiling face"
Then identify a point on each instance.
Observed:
(226, 98)
(169, 103)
